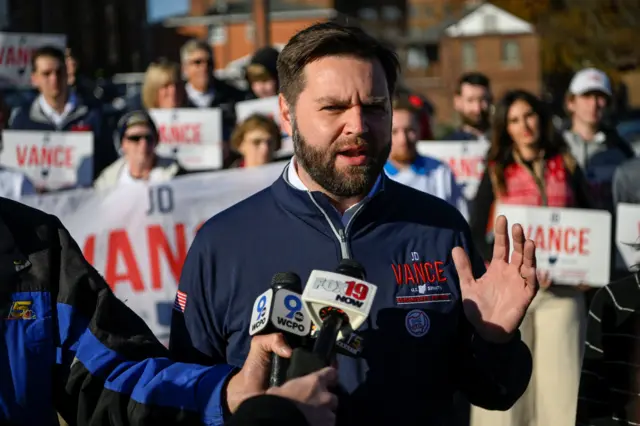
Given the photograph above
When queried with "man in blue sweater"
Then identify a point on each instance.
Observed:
(439, 323)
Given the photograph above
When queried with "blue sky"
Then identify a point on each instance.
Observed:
(160, 9)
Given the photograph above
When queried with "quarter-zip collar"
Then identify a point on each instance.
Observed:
(316, 209)
(296, 182)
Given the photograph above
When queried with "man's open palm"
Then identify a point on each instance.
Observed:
(496, 303)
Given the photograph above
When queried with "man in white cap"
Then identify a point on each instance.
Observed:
(598, 149)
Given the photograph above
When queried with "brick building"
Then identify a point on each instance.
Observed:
(486, 39)
(230, 31)
(436, 40)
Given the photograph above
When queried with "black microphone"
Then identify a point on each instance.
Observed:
(337, 304)
(280, 309)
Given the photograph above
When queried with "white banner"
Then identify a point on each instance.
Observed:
(138, 235)
(466, 159)
(52, 160)
(193, 136)
(628, 233)
(16, 50)
(574, 245)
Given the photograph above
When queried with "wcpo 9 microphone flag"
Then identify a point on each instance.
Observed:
(279, 309)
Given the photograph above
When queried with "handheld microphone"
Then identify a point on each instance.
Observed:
(337, 304)
(280, 309)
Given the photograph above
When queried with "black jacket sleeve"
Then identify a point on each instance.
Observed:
(111, 369)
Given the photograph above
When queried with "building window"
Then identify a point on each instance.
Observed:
(490, 23)
(469, 60)
(417, 59)
(217, 35)
(511, 53)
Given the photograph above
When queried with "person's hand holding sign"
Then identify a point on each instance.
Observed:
(496, 303)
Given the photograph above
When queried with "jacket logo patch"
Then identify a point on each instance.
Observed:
(424, 281)
(21, 310)
(417, 323)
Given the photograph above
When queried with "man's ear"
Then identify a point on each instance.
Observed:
(286, 115)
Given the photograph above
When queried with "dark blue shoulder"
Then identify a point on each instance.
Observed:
(246, 213)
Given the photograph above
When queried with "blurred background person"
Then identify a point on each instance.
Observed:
(254, 141)
(598, 148)
(139, 162)
(80, 85)
(162, 86)
(262, 74)
(57, 108)
(473, 102)
(203, 89)
(529, 164)
(425, 174)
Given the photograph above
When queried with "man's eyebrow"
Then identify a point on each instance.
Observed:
(374, 100)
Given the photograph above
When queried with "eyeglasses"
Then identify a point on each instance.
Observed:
(138, 138)
(200, 61)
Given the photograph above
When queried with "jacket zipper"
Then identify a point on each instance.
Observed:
(341, 234)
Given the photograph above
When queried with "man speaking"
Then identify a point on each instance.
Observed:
(439, 323)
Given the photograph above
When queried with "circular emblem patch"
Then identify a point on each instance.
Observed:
(417, 323)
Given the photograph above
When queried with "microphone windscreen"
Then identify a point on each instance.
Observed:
(289, 280)
(351, 268)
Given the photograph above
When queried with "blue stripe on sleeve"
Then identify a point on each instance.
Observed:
(155, 381)
(71, 326)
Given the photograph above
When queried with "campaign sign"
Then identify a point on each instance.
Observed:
(16, 50)
(573, 245)
(193, 136)
(265, 106)
(466, 159)
(51, 160)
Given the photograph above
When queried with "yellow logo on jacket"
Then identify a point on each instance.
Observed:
(21, 309)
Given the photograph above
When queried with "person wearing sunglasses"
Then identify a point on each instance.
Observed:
(138, 137)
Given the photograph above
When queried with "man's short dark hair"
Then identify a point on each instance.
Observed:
(474, 79)
(46, 52)
(330, 39)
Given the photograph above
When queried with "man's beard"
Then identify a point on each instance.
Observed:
(406, 156)
(480, 123)
(321, 165)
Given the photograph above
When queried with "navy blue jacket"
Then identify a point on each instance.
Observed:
(81, 118)
(69, 346)
(411, 363)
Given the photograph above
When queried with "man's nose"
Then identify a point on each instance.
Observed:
(356, 121)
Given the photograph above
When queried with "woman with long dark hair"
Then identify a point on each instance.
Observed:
(529, 164)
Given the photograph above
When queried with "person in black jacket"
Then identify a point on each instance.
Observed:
(69, 345)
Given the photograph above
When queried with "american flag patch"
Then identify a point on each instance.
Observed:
(181, 301)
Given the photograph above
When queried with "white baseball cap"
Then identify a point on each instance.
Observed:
(590, 80)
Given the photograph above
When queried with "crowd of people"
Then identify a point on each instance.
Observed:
(529, 162)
